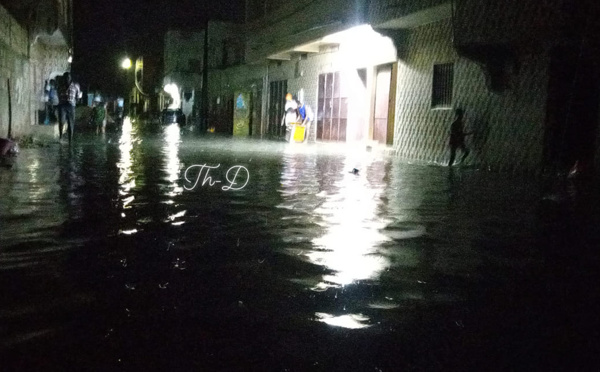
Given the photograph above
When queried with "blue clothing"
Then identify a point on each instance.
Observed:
(302, 111)
(305, 111)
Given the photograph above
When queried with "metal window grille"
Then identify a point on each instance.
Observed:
(443, 79)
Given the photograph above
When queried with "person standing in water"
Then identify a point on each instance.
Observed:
(69, 92)
(290, 117)
(306, 115)
(457, 137)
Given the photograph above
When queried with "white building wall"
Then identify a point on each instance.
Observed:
(358, 50)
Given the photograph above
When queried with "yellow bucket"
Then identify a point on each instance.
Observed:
(299, 133)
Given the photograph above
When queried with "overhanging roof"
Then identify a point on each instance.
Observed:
(419, 18)
(315, 46)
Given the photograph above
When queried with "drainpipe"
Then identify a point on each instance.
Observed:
(265, 100)
(9, 110)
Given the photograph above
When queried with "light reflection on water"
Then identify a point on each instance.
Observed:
(347, 208)
(351, 321)
(172, 167)
(173, 164)
(126, 176)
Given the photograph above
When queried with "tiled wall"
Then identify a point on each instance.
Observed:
(508, 127)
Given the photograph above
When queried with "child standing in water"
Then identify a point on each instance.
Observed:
(99, 115)
(457, 137)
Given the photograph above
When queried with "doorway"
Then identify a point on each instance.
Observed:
(385, 98)
(277, 92)
(332, 120)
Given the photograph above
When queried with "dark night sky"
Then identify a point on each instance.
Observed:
(107, 30)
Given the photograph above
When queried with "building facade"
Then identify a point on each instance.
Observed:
(183, 64)
(35, 46)
(394, 71)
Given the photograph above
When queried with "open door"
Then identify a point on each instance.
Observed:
(383, 85)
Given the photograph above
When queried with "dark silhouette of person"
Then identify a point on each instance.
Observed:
(69, 92)
(457, 137)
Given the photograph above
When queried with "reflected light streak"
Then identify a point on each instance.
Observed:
(347, 211)
(126, 179)
(34, 192)
(349, 321)
(173, 165)
(350, 245)
(177, 215)
(128, 232)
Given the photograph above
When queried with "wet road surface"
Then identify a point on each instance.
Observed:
(112, 257)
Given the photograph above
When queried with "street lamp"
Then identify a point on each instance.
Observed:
(126, 64)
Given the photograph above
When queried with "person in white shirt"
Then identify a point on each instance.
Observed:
(69, 92)
(290, 117)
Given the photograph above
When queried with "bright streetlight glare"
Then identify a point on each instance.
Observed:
(126, 64)
(173, 91)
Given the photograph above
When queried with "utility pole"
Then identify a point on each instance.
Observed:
(204, 111)
(9, 109)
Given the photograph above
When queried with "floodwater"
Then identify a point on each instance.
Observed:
(116, 254)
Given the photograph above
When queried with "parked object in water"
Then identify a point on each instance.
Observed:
(8, 147)
(170, 116)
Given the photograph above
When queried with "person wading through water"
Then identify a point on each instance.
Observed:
(68, 92)
(457, 137)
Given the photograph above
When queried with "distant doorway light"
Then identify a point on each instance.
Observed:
(173, 90)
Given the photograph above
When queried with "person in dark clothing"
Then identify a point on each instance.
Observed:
(457, 137)
(68, 92)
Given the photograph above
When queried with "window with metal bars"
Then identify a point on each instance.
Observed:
(443, 79)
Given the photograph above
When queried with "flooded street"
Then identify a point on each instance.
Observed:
(122, 252)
